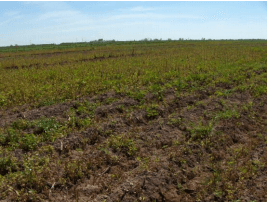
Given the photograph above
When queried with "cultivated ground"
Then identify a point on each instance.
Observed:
(165, 121)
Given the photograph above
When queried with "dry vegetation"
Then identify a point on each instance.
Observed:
(167, 121)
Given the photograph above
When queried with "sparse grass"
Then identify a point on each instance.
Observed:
(200, 131)
(152, 111)
(122, 143)
(227, 114)
(198, 115)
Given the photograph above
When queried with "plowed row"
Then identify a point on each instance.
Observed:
(193, 140)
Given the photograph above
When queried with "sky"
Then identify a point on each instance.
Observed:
(46, 22)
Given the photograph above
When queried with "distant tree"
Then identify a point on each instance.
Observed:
(145, 39)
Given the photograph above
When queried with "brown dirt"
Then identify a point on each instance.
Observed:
(170, 163)
(51, 54)
(38, 65)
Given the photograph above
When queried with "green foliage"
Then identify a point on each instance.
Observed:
(20, 124)
(49, 80)
(157, 90)
(74, 170)
(227, 114)
(260, 90)
(138, 95)
(29, 142)
(7, 164)
(12, 137)
(152, 111)
(47, 127)
(3, 100)
(179, 84)
(225, 93)
(200, 131)
(174, 120)
(76, 122)
(121, 142)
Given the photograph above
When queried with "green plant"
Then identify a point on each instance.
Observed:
(152, 111)
(76, 122)
(144, 162)
(225, 93)
(47, 127)
(10, 137)
(227, 114)
(157, 90)
(260, 90)
(29, 142)
(122, 142)
(201, 131)
(75, 170)
(247, 106)
(20, 124)
(3, 100)
(8, 164)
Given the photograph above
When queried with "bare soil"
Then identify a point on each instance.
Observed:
(171, 163)
(39, 65)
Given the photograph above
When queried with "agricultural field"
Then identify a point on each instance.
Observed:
(138, 121)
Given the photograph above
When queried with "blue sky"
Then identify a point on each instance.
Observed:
(56, 22)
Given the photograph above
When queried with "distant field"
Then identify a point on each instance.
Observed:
(135, 121)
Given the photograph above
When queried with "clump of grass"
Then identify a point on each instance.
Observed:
(200, 131)
(122, 143)
(152, 111)
(176, 121)
(227, 114)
